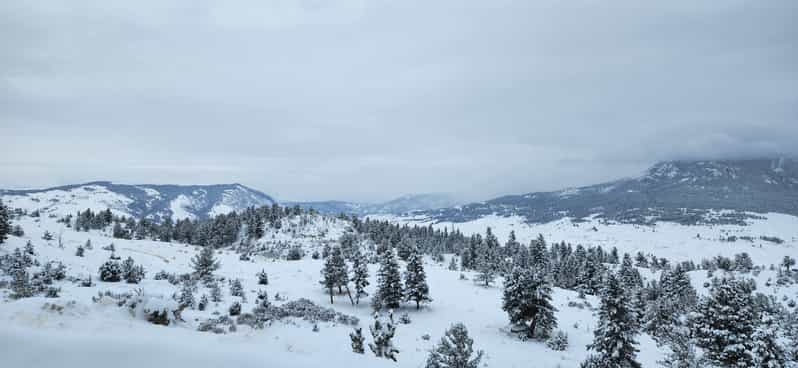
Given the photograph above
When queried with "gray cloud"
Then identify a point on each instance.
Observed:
(366, 100)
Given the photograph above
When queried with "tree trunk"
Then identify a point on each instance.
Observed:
(331, 296)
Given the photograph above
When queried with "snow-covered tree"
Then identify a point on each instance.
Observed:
(203, 303)
(416, 288)
(111, 271)
(455, 350)
(527, 301)
(389, 292)
(357, 341)
(20, 284)
(216, 293)
(335, 273)
(186, 297)
(724, 323)
(767, 352)
(613, 339)
(236, 289)
(5, 222)
(263, 278)
(360, 274)
(205, 263)
(382, 333)
(488, 260)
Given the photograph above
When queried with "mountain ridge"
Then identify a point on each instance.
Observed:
(682, 191)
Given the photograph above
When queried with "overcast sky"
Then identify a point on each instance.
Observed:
(368, 100)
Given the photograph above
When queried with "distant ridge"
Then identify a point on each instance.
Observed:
(150, 201)
(687, 192)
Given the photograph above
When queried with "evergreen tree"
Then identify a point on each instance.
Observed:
(538, 256)
(416, 288)
(724, 323)
(527, 301)
(382, 333)
(767, 351)
(389, 283)
(186, 298)
(455, 350)
(630, 276)
(360, 274)
(236, 289)
(204, 263)
(216, 293)
(613, 339)
(488, 260)
(357, 341)
(203, 303)
(453, 264)
(263, 278)
(5, 222)
(80, 251)
(111, 271)
(335, 273)
(20, 284)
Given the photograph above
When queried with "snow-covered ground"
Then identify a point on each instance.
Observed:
(665, 239)
(88, 334)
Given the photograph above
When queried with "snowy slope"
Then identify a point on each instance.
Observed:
(80, 333)
(150, 201)
(33, 333)
(663, 239)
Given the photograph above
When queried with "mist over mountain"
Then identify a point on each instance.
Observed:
(686, 192)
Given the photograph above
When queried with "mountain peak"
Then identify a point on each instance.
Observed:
(153, 201)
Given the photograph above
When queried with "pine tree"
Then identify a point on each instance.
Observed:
(630, 276)
(204, 263)
(263, 278)
(613, 339)
(236, 289)
(527, 301)
(767, 351)
(5, 222)
(20, 284)
(335, 273)
(216, 293)
(416, 288)
(455, 350)
(724, 323)
(357, 341)
(29, 250)
(538, 257)
(453, 264)
(488, 260)
(389, 283)
(203, 303)
(382, 333)
(360, 274)
(111, 271)
(186, 298)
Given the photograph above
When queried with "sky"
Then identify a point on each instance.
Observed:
(369, 100)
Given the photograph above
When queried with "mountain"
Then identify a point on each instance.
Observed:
(402, 205)
(146, 200)
(686, 192)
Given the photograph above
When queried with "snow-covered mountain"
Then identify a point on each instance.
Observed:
(149, 201)
(686, 192)
(402, 205)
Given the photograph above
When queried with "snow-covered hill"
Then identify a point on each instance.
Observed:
(140, 201)
(74, 330)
